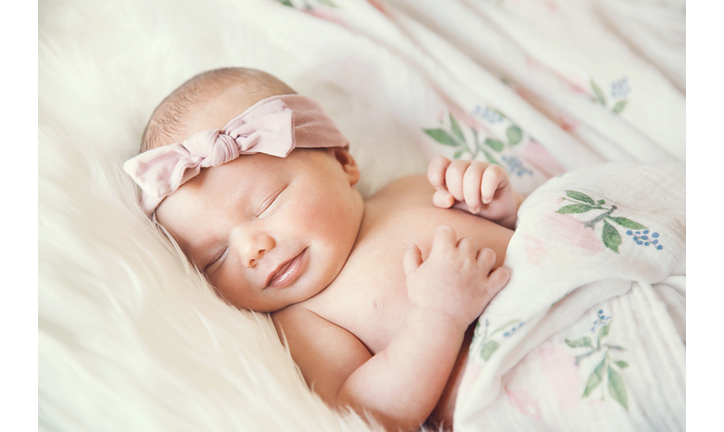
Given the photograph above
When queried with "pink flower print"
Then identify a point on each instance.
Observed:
(472, 372)
(571, 232)
(537, 155)
(379, 6)
(326, 15)
(562, 374)
(568, 123)
(548, 377)
(526, 94)
(551, 5)
(576, 85)
(535, 249)
(523, 401)
(532, 63)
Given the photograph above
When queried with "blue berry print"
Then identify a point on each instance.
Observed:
(645, 240)
(513, 329)
(602, 320)
(620, 88)
(515, 166)
(490, 115)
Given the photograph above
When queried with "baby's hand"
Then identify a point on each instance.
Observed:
(481, 188)
(455, 280)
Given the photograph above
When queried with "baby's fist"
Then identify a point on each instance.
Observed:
(480, 188)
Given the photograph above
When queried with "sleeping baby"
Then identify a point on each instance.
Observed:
(376, 299)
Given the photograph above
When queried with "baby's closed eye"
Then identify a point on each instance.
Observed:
(217, 260)
(266, 208)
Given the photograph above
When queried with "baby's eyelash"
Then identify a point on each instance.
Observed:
(216, 258)
(269, 201)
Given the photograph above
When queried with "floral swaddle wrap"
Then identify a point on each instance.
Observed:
(589, 334)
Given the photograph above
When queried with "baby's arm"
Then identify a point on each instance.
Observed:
(480, 188)
(401, 384)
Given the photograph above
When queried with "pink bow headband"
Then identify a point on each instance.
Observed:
(274, 126)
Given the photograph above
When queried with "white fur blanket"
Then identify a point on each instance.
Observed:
(129, 336)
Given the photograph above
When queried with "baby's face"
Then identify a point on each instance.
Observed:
(269, 232)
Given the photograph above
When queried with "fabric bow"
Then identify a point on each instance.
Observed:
(266, 127)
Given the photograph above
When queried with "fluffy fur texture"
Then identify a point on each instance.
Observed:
(130, 337)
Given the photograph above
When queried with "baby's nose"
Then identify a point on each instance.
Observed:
(254, 249)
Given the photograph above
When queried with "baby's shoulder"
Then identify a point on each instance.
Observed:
(412, 188)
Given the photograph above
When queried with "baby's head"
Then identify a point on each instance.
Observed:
(269, 227)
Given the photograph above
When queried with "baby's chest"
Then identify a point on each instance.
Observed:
(369, 298)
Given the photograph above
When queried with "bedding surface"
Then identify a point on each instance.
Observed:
(589, 334)
(131, 337)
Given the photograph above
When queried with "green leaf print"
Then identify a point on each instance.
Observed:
(490, 158)
(575, 208)
(582, 342)
(441, 136)
(617, 388)
(599, 94)
(604, 370)
(494, 144)
(580, 197)
(488, 349)
(620, 105)
(627, 223)
(611, 237)
(286, 3)
(514, 135)
(594, 379)
(327, 2)
(456, 128)
(622, 364)
(603, 332)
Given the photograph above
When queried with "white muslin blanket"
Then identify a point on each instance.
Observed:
(589, 334)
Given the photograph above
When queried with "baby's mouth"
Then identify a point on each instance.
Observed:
(288, 272)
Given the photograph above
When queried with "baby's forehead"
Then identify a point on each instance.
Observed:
(216, 111)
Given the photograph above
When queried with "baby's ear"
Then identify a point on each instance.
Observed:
(348, 164)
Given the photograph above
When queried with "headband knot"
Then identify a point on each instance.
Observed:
(274, 126)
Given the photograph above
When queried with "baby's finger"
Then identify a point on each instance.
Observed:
(412, 259)
(471, 186)
(486, 258)
(436, 171)
(497, 279)
(494, 178)
(443, 199)
(468, 245)
(454, 178)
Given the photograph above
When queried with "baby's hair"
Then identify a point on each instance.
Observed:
(177, 109)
